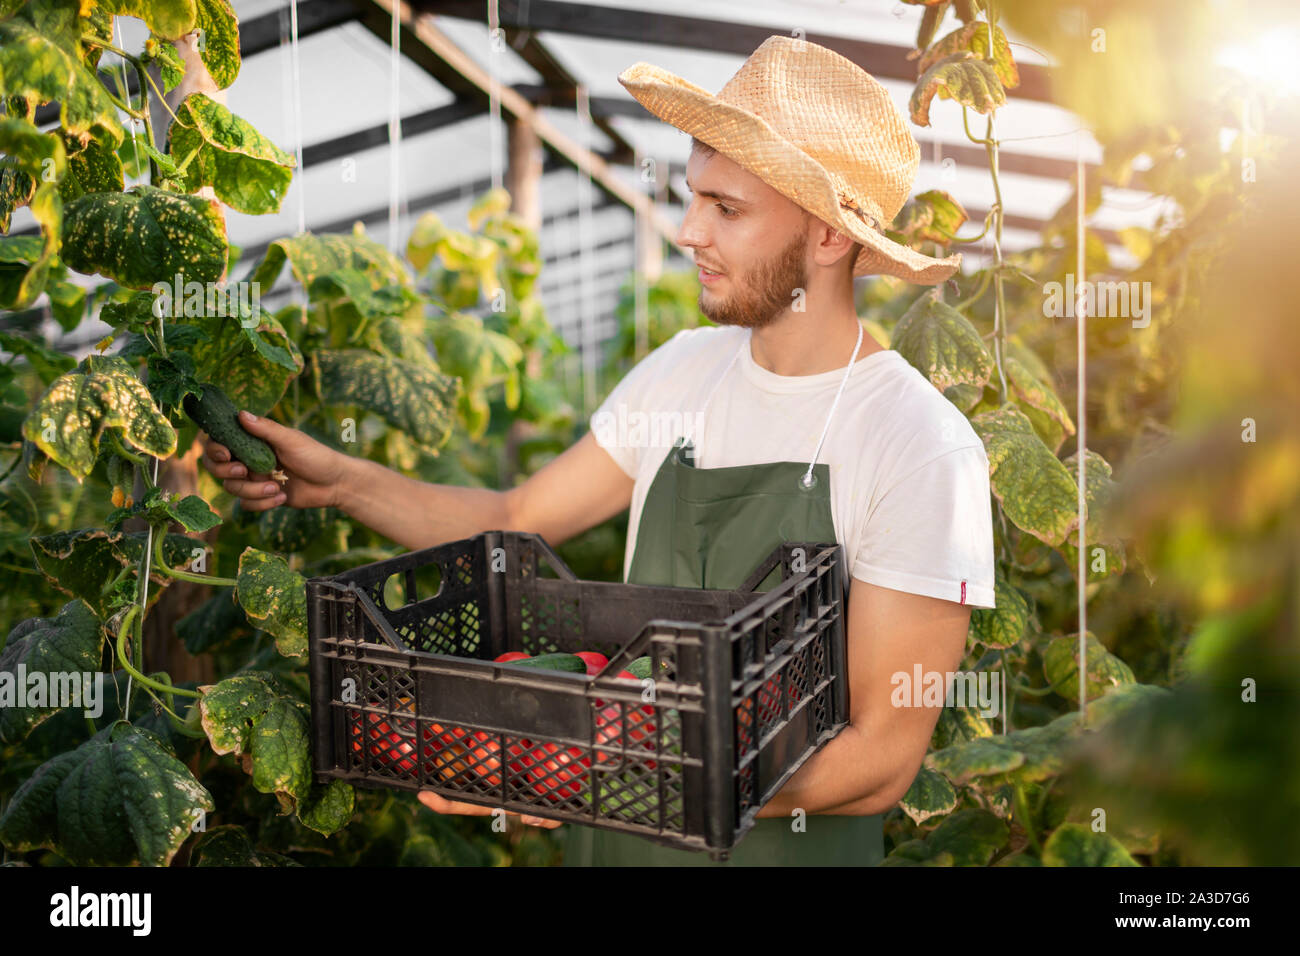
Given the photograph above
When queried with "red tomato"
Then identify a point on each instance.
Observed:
(511, 656)
(595, 661)
(556, 772)
(395, 751)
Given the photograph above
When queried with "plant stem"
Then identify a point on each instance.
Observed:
(1026, 821)
(133, 622)
(13, 464)
(122, 450)
(186, 575)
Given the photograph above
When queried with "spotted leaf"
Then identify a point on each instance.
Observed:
(71, 642)
(102, 392)
(962, 77)
(412, 396)
(247, 171)
(275, 599)
(121, 797)
(247, 716)
(1061, 667)
(940, 343)
(145, 236)
(1033, 487)
(87, 561)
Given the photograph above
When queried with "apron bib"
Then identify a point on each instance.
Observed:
(707, 528)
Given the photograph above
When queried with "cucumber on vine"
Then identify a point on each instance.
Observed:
(217, 415)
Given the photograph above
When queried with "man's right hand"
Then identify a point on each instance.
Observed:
(315, 471)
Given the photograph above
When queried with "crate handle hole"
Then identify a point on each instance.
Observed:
(413, 584)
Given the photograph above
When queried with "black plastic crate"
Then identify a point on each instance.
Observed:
(405, 694)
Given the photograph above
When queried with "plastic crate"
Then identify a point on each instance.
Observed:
(405, 694)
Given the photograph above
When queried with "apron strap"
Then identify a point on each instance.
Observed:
(807, 481)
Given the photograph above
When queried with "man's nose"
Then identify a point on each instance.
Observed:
(690, 233)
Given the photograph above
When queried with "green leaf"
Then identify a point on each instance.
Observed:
(71, 642)
(931, 216)
(170, 19)
(247, 171)
(412, 396)
(34, 65)
(47, 363)
(219, 48)
(119, 798)
(237, 355)
(37, 162)
(294, 529)
(215, 623)
(67, 302)
(1074, 844)
(974, 36)
(172, 378)
(246, 716)
(146, 236)
(194, 513)
(311, 256)
(940, 343)
(1061, 667)
(86, 561)
(962, 77)
(1098, 491)
(929, 796)
(981, 757)
(328, 807)
(92, 169)
(957, 724)
(1039, 402)
(102, 392)
(966, 838)
(229, 845)
(1033, 487)
(275, 599)
(170, 65)
(493, 203)
(1004, 625)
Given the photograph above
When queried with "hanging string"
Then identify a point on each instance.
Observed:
(1081, 417)
(296, 94)
(394, 126)
(494, 95)
(586, 241)
(135, 149)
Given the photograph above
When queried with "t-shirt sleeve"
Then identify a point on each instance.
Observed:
(634, 393)
(932, 532)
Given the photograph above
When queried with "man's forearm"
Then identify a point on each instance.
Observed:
(839, 780)
(418, 514)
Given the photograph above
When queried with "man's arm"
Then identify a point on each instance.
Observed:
(869, 765)
(576, 490)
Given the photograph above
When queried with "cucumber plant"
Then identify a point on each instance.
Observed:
(351, 365)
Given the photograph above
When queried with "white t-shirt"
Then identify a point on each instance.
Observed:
(909, 478)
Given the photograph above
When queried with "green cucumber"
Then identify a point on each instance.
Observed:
(642, 667)
(217, 415)
(552, 662)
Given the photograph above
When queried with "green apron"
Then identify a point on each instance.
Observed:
(708, 528)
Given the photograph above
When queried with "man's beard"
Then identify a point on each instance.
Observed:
(758, 297)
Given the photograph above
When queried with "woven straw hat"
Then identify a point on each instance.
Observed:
(817, 128)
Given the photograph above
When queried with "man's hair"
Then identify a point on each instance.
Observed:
(706, 149)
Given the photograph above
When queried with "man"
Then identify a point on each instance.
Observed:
(798, 427)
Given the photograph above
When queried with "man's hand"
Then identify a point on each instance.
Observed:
(315, 471)
(439, 804)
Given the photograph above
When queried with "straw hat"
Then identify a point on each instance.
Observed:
(817, 128)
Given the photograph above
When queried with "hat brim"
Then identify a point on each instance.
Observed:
(749, 141)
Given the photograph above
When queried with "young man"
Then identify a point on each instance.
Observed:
(796, 426)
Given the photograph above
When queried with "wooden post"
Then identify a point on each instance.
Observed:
(523, 181)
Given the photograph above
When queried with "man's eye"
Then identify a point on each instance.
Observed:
(726, 211)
